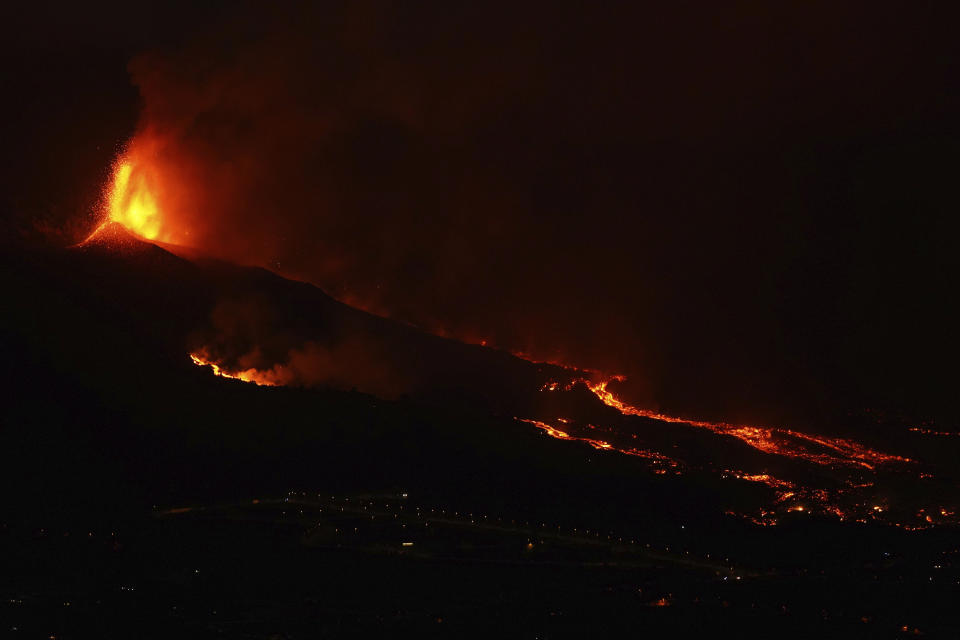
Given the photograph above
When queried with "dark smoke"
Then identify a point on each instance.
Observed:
(248, 332)
(743, 208)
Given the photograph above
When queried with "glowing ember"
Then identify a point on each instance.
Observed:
(932, 432)
(767, 479)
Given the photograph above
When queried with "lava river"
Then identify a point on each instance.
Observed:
(799, 474)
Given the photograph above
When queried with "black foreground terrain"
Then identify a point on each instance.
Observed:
(147, 497)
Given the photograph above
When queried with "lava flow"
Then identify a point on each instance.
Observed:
(262, 378)
(850, 486)
(854, 483)
(661, 463)
(138, 200)
(779, 441)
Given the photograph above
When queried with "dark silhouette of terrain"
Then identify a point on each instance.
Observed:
(110, 432)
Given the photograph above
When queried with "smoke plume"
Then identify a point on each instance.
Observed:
(646, 192)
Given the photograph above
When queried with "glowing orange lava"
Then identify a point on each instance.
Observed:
(145, 193)
(132, 201)
(603, 445)
(850, 495)
(153, 196)
(932, 432)
(255, 376)
(778, 441)
(852, 499)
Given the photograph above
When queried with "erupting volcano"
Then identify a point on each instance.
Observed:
(146, 193)
(852, 486)
(455, 320)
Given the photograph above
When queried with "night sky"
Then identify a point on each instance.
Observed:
(746, 208)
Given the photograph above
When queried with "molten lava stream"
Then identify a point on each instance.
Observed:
(855, 466)
(142, 197)
(655, 458)
(778, 441)
(255, 376)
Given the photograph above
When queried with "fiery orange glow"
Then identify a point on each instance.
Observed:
(932, 432)
(132, 199)
(153, 196)
(848, 492)
(848, 495)
(602, 445)
(146, 193)
(255, 376)
(778, 441)
(767, 479)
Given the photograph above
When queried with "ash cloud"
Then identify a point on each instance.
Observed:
(652, 192)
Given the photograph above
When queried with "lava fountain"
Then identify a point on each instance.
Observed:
(146, 192)
(132, 199)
